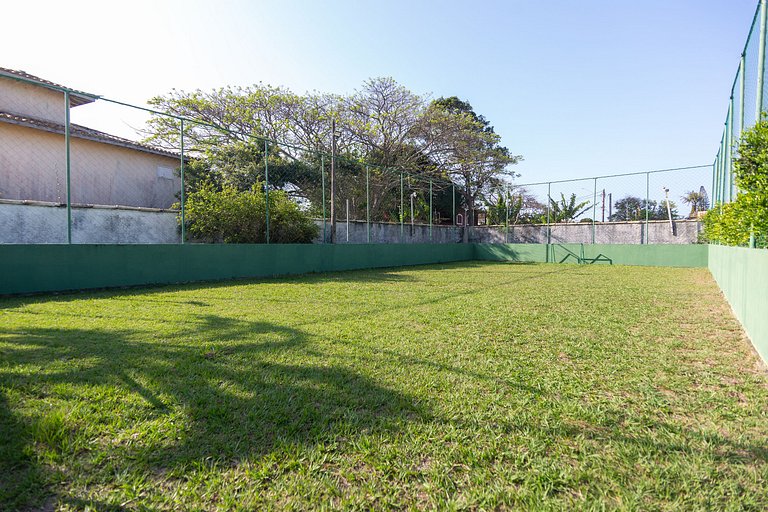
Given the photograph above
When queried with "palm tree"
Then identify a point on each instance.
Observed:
(697, 200)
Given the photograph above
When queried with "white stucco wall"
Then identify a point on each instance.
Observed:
(33, 167)
(31, 100)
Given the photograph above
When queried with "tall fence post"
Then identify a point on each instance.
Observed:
(266, 182)
(724, 165)
(322, 179)
(506, 204)
(742, 87)
(453, 203)
(402, 210)
(69, 166)
(181, 173)
(368, 203)
(729, 149)
(430, 209)
(760, 62)
(647, 204)
(549, 229)
(594, 211)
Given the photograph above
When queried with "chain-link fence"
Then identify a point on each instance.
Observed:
(660, 206)
(748, 99)
(78, 168)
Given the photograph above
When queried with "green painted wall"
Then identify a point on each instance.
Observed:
(742, 275)
(40, 268)
(641, 255)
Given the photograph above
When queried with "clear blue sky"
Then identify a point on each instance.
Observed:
(578, 88)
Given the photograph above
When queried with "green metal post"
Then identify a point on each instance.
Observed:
(368, 202)
(549, 201)
(322, 178)
(714, 177)
(647, 201)
(402, 211)
(549, 230)
(181, 171)
(453, 203)
(69, 167)
(266, 181)
(594, 212)
(430, 209)
(752, 236)
(724, 172)
(742, 87)
(760, 62)
(506, 204)
(729, 151)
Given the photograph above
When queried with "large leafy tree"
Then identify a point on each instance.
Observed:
(470, 152)
(631, 208)
(394, 131)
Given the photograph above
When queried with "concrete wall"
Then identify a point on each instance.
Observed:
(390, 233)
(31, 100)
(742, 275)
(33, 167)
(25, 223)
(659, 232)
(47, 224)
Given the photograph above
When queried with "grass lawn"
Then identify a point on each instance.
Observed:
(459, 386)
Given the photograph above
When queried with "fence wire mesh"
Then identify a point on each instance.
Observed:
(747, 102)
(126, 175)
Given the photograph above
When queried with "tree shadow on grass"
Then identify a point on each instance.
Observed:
(243, 389)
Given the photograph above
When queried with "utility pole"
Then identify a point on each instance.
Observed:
(603, 208)
(333, 177)
(669, 210)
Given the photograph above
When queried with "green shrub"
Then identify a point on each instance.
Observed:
(732, 223)
(230, 216)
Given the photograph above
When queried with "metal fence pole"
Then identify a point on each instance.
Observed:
(453, 203)
(742, 87)
(594, 211)
(647, 203)
(368, 203)
(729, 150)
(430, 209)
(760, 62)
(181, 172)
(322, 179)
(69, 167)
(506, 204)
(549, 201)
(549, 229)
(402, 209)
(266, 182)
(724, 170)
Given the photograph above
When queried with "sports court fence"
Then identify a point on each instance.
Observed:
(81, 168)
(747, 102)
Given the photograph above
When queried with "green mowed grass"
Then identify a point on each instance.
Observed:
(459, 386)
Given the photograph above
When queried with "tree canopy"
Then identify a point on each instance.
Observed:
(382, 125)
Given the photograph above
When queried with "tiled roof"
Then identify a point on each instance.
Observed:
(83, 132)
(75, 97)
